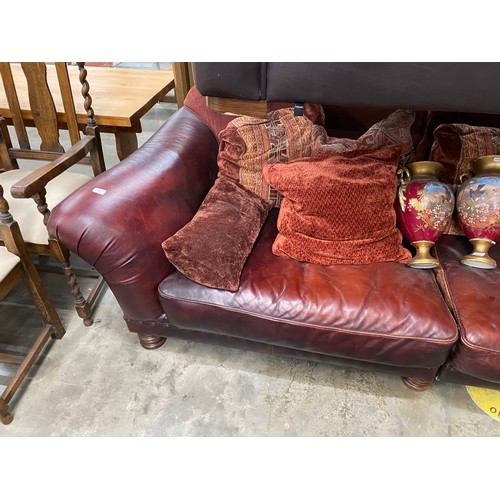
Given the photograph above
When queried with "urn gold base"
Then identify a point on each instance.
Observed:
(479, 256)
(423, 259)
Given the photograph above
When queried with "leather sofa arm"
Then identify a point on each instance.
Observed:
(118, 220)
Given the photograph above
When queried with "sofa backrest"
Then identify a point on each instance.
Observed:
(357, 95)
(468, 87)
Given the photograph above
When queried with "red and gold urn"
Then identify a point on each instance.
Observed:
(424, 209)
(478, 206)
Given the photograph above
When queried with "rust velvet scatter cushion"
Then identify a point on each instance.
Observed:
(248, 143)
(214, 246)
(338, 209)
(455, 144)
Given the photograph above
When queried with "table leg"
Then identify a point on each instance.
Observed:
(183, 81)
(126, 143)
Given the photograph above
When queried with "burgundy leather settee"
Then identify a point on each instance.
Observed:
(422, 325)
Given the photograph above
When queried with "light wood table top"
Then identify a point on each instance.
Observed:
(120, 97)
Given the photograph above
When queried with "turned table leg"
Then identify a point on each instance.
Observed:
(151, 342)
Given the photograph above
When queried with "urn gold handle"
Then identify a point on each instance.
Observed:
(404, 175)
(464, 177)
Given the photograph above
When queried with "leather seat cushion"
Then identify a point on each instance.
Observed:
(473, 295)
(383, 313)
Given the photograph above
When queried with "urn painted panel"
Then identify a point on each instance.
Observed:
(424, 209)
(478, 206)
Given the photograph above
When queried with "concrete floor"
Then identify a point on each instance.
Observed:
(98, 381)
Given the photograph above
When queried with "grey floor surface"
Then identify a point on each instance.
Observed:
(98, 381)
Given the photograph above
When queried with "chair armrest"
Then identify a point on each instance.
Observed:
(118, 220)
(38, 179)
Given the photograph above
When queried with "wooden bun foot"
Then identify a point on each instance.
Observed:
(151, 342)
(416, 384)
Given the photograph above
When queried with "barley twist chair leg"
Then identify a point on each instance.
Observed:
(82, 307)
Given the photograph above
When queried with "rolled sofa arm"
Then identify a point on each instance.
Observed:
(118, 220)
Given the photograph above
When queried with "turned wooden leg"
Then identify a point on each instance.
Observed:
(82, 307)
(151, 342)
(5, 416)
(62, 256)
(416, 384)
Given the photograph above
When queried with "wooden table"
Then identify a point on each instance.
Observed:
(120, 98)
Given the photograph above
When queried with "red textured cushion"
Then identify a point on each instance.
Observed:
(214, 246)
(338, 209)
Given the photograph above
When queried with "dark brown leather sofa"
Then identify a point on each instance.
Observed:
(422, 325)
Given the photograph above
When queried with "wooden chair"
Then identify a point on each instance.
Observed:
(16, 264)
(52, 182)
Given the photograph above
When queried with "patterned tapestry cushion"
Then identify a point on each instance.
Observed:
(214, 246)
(339, 209)
(248, 143)
(391, 131)
(455, 144)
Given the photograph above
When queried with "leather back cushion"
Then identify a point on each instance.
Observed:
(338, 209)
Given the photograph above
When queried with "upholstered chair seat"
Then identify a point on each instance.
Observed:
(25, 211)
(8, 262)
